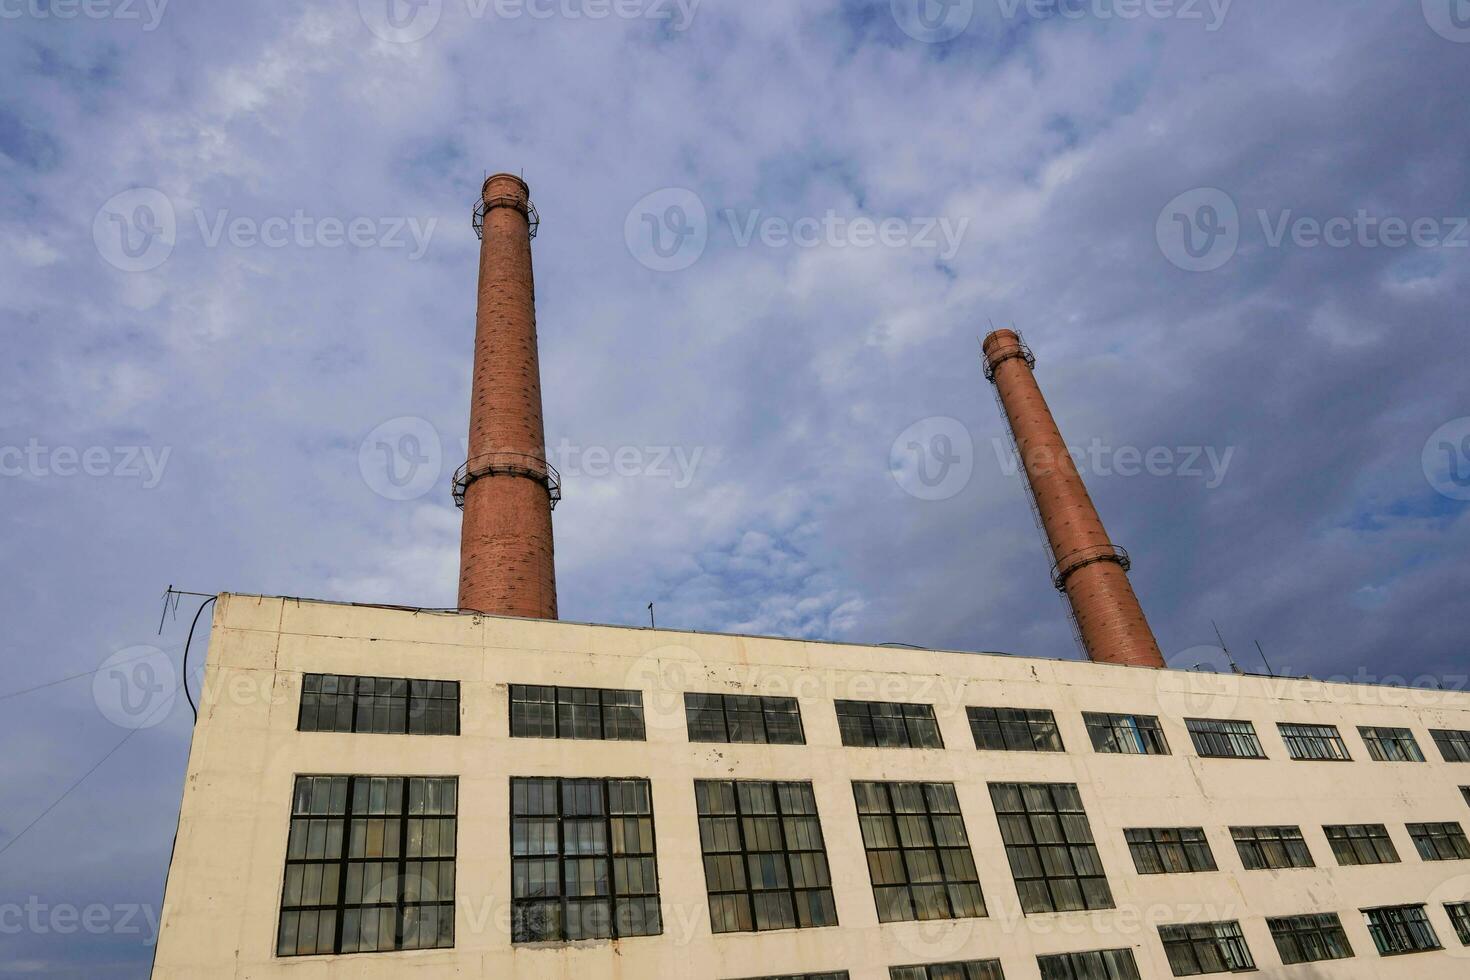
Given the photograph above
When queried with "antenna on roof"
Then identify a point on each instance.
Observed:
(1233, 665)
(651, 623)
(1263, 659)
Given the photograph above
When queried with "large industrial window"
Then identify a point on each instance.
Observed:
(1263, 848)
(381, 705)
(918, 852)
(1128, 734)
(1401, 929)
(1099, 964)
(583, 863)
(1216, 738)
(1459, 913)
(1465, 792)
(1206, 947)
(1050, 847)
(1170, 850)
(1440, 841)
(369, 865)
(1310, 938)
(765, 863)
(1015, 729)
(1314, 743)
(1453, 745)
(575, 712)
(1366, 843)
(886, 725)
(967, 970)
(1390, 744)
(743, 718)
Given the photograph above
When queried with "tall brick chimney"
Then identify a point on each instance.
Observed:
(1089, 568)
(507, 488)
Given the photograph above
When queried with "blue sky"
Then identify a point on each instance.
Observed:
(239, 272)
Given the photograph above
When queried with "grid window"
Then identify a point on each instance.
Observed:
(765, 863)
(583, 864)
(1263, 848)
(1216, 738)
(1015, 729)
(1170, 850)
(1459, 913)
(743, 718)
(369, 865)
(1453, 745)
(1310, 938)
(1440, 841)
(888, 725)
(1365, 843)
(1465, 792)
(1314, 743)
(381, 705)
(967, 970)
(918, 853)
(1100, 964)
(1206, 947)
(1400, 929)
(1127, 734)
(1390, 744)
(1050, 847)
(539, 711)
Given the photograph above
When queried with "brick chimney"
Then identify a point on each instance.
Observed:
(507, 488)
(1088, 568)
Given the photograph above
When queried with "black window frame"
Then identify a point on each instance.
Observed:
(1003, 729)
(918, 854)
(1197, 948)
(767, 707)
(357, 702)
(1440, 841)
(1214, 739)
(1170, 850)
(1399, 930)
(1313, 743)
(1096, 964)
(1037, 840)
(1116, 733)
(560, 857)
(1265, 841)
(955, 970)
(786, 799)
(1459, 914)
(1352, 841)
(1454, 743)
(857, 719)
(1311, 938)
(1378, 738)
(343, 817)
(564, 712)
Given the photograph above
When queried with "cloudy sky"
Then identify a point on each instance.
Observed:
(237, 312)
